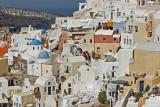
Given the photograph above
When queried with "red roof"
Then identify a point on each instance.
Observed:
(4, 49)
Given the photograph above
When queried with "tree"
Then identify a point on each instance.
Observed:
(147, 88)
(102, 97)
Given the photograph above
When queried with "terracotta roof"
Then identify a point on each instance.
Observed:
(4, 49)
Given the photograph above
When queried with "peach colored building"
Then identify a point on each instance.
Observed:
(146, 58)
(3, 66)
(105, 40)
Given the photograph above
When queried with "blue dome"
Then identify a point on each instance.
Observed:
(44, 55)
(31, 62)
(36, 42)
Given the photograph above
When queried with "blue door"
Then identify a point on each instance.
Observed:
(141, 86)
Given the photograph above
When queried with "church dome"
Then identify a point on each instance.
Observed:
(36, 42)
(44, 55)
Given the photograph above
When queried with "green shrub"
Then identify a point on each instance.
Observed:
(102, 97)
(147, 88)
(138, 95)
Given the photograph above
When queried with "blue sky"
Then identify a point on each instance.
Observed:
(65, 7)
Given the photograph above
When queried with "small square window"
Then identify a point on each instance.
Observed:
(49, 83)
(69, 84)
(104, 38)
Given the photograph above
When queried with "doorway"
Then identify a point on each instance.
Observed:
(49, 90)
(141, 89)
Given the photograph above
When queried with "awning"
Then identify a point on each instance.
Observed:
(119, 82)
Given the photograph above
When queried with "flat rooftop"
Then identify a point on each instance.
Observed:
(149, 46)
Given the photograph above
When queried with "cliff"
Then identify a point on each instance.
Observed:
(22, 17)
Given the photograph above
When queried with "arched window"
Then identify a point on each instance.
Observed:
(90, 40)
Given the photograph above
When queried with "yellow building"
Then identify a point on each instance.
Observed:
(142, 28)
(3, 66)
(146, 58)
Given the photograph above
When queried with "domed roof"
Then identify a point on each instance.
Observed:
(44, 55)
(36, 42)
(31, 62)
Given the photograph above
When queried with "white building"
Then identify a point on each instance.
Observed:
(53, 37)
(127, 40)
(24, 99)
(152, 101)
(3, 85)
(45, 91)
(125, 57)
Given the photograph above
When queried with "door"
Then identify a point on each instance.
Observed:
(141, 86)
(111, 15)
(49, 90)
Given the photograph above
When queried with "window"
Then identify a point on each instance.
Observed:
(113, 67)
(130, 41)
(84, 40)
(127, 41)
(53, 88)
(133, 54)
(143, 2)
(124, 40)
(103, 76)
(104, 38)
(123, 14)
(0, 84)
(90, 40)
(112, 74)
(149, 34)
(98, 49)
(69, 88)
(114, 39)
(49, 83)
(109, 93)
(37, 89)
(67, 70)
(118, 14)
(69, 84)
(111, 15)
(136, 28)
(117, 31)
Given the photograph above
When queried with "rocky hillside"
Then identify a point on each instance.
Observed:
(22, 17)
